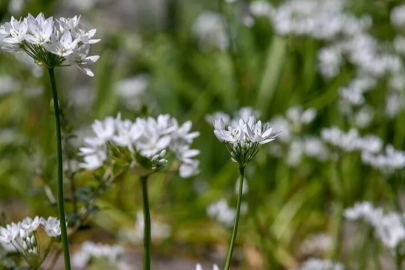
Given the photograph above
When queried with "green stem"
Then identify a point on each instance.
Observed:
(147, 224)
(235, 226)
(61, 207)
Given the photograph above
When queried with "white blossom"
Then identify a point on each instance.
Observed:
(319, 264)
(199, 267)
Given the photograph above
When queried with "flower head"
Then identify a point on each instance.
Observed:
(244, 140)
(141, 144)
(51, 42)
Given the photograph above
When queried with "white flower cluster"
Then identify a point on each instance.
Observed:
(386, 162)
(319, 264)
(146, 140)
(51, 41)
(210, 31)
(292, 143)
(319, 19)
(88, 250)
(159, 231)
(351, 141)
(22, 236)
(199, 267)
(244, 140)
(389, 228)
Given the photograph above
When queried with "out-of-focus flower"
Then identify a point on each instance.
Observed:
(210, 31)
(159, 230)
(319, 264)
(223, 213)
(88, 250)
(398, 16)
(389, 228)
(199, 267)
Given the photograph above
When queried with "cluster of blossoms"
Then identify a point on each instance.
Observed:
(321, 20)
(244, 140)
(318, 264)
(347, 40)
(370, 147)
(292, 141)
(141, 144)
(89, 250)
(389, 228)
(351, 141)
(51, 42)
(23, 238)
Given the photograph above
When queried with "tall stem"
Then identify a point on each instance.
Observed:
(147, 224)
(61, 206)
(235, 225)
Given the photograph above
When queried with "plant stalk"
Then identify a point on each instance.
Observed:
(60, 197)
(147, 224)
(236, 224)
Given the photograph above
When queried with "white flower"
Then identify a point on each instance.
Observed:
(146, 140)
(159, 230)
(51, 226)
(63, 46)
(88, 250)
(104, 129)
(244, 140)
(210, 30)
(40, 29)
(257, 133)
(222, 212)
(318, 264)
(9, 234)
(389, 227)
(199, 267)
(29, 225)
(80, 58)
(15, 31)
(398, 16)
(94, 152)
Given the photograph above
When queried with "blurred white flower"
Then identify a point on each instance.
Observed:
(199, 267)
(88, 250)
(364, 116)
(210, 31)
(159, 230)
(387, 163)
(316, 244)
(389, 228)
(393, 105)
(319, 264)
(132, 91)
(51, 226)
(398, 16)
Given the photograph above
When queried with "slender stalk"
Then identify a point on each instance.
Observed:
(61, 206)
(147, 223)
(235, 225)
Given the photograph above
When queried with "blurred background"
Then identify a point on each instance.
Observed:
(303, 65)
